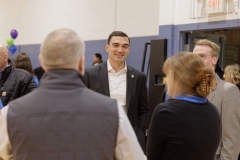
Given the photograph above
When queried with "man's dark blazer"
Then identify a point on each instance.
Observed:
(96, 78)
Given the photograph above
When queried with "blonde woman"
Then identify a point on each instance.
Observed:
(232, 74)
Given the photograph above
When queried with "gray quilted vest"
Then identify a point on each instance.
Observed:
(63, 125)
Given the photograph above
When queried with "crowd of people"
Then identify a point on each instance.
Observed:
(101, 112)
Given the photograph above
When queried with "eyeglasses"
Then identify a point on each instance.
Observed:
(204, 56)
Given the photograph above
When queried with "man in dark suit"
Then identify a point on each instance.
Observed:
(116, 79)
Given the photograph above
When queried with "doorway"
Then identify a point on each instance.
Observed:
(227, 39)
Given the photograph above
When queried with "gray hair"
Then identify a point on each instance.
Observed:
(62, 48)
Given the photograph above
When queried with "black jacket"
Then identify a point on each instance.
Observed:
(96, 78)
(15, 83)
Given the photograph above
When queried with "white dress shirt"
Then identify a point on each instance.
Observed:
(117, 85)
(127, 146)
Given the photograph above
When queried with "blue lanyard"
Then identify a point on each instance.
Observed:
(194, 99)
(1, 105)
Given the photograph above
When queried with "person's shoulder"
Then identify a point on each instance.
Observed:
(94, 68)
(38, 69)
(138, 72)
(212, 107)
(231, 89)
(227, 86)
(169, 110)
(174, 105)
(167, 106)
(105, 104)
(21, 72)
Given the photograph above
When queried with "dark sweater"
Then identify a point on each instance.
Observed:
(183, 130)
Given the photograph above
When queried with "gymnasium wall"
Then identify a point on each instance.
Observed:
(94, 20)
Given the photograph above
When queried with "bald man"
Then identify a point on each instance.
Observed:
(59, 119)
(14, 82)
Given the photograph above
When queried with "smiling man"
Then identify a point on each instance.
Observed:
(226, 98)
(116, 79)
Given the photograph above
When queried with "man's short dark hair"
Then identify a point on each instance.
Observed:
(98, 55)
(117, 33)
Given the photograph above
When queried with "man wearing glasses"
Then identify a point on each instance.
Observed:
(226, 98)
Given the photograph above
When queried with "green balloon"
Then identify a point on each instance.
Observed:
(9, 41)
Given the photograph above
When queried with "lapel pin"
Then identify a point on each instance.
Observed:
(4, 93)
(132, 76)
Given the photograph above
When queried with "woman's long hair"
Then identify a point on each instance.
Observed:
(22, 61)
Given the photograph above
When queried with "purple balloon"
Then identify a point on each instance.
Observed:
(14, 33)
